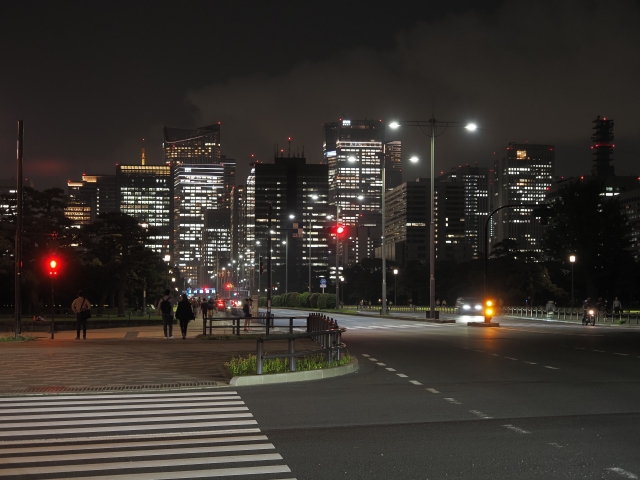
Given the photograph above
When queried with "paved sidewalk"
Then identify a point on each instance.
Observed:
(131, 358)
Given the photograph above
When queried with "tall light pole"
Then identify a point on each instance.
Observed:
(395, 287)
(286, 266)
(433, 124)
(572, 260)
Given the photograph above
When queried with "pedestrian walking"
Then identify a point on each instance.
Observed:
(438, 302)
(247, 310)
(195, 305)
(617, 306)
(165, 307)
(184, 314)
(444, 302)
(204, 306)
(82, 308)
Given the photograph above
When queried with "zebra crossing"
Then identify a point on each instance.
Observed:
(398, 327)
(165, 435)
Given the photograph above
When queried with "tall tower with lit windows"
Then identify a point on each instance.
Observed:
(203, 180)
(525, 175)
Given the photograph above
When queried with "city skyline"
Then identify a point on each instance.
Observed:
(509, 66)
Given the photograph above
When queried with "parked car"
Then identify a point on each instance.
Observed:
(468, 305)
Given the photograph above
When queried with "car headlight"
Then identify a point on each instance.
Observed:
(478, 307)
(466, 307)
(591, 312)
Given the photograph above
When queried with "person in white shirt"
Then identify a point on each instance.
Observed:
(80, 307)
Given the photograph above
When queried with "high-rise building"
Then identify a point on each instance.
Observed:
(216, 252)
(298, 193)
(145, 192)
(602, 147)
(630, 202)
(203, 179)
(354, 151)
(450, 221)
(525, 175)
(476, 206)
(88, 198)
(251, 261)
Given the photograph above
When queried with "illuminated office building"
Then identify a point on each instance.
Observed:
(354, 151)
(145, 193)
(88, 198)
(525, 175)
(217, 260)
(293, 188)
(202, 181)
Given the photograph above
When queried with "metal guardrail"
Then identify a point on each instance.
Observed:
(569, 314)
(399, 308)
(321, 329)
(235, 324)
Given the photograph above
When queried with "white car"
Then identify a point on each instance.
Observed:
(469, 306)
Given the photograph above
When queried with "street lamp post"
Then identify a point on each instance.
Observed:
(395, 287)
(572, 260)
(433, 124)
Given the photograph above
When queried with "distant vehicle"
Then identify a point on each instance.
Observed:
(221, 305)
(468, 305)
(551, 306)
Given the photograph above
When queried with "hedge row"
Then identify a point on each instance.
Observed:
(301, 300)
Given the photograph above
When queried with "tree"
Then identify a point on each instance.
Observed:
(584, 222)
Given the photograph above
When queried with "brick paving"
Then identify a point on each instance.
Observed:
(120, 359)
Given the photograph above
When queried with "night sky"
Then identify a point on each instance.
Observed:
(92, 79)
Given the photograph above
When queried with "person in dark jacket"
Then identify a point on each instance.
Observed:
(184, 313)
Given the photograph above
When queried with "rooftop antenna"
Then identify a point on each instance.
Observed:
(302, 151)
(289, 140)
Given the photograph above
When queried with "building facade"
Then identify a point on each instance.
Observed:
(88, 198)
(525, 175)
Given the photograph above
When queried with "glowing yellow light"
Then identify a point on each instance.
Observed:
(489, 303)
(489, 311)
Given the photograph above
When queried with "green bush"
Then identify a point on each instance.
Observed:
(262, 301)
(331, 300)
(276, 301)
(313, 300)
(303, 300)
(247, 366)
(292, 299)
(322, 301)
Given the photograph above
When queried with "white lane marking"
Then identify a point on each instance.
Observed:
(600, 351)
(365, 355)
(622, 473)
(578, 348)
(515, 429)
(495, 354)
(552, 368)
(132, 403)
(143, 464)
(557, 445)
(131, 453)
(415, 382)
(432, 390)
(480, 414)
(123, 428)
(129, 413)
(453, 400)
(481, 351)
(382, 364)
(510, 358)
(391, 369)
(621, 354)
(373, 359)
(166, 440)
(531, 363)
(115, 408)
(213, 473)
(402, 375)
(134, 397)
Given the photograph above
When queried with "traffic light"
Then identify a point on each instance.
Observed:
(341, 232)
(53, 266)
(261, 266)
(488, 310)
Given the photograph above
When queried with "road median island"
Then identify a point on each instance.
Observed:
(289, 377)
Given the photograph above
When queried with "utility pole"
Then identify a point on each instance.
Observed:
(18, 245)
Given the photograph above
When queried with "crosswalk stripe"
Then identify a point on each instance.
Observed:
(149, 443)
(178, 462)
(123, 428)
(133, 396)
(117, 414)
(222, 472)
(102, 408)
(173, 418)
(135, 403)
(141, 442)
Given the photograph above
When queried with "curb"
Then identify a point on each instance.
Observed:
(483, 324)
(296, 376)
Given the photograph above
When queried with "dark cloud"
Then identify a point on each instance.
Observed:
(530, 71)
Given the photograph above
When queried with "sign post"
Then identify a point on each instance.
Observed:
(323, 284)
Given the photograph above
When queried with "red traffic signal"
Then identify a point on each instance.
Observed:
(341, 231)
(53, 266)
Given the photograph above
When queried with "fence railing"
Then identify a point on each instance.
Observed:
(209, 325)
(321, 329)
(569, 314)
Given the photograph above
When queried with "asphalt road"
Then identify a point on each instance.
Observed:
(526, 400)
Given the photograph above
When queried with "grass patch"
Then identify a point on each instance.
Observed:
(239, 366)
(12, 338)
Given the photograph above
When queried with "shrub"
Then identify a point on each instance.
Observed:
(322, 300)
(247, 366)
(292, 299)
(303, 300)
(313, 300)
(331, 300)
